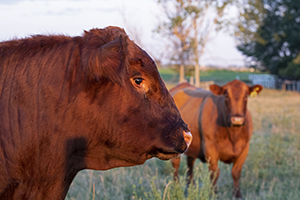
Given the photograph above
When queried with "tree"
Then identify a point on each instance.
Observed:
(205, 17)
(177, 29)
(189, 25)
(271, 38)
(292, 71)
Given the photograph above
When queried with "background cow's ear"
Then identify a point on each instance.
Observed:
(217, 90)
(107, 62)
(255, 90)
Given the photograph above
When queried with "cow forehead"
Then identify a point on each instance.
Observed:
(141, 63)
(236, 88)
(146, 64)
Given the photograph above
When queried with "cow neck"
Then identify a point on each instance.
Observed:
(222, 112)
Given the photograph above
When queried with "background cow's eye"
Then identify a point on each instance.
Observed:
(138, 81)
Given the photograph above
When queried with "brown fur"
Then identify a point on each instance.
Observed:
(72, 103)
(208, 115)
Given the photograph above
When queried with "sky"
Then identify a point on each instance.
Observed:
(22, 18)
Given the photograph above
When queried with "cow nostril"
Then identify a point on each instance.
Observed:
(187, 138)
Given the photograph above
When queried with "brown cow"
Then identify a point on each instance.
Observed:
(220, 124)
(73, 103)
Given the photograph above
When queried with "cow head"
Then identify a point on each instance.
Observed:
(235, 96)
(132, 115)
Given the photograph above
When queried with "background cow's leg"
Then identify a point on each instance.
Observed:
(215, 172)
(236, 172)
(190, 164)
(190, 174)
(176, 163)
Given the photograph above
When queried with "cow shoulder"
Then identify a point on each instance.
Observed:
(181, 86)
(210, 111)
(211, 104)
(180, 98)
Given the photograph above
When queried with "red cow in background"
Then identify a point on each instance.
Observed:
(221, 126)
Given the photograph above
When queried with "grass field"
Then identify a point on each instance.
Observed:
(271, 171)
(218, 76)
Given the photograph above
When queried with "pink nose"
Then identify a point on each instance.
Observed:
(187, 138)
(237, 120)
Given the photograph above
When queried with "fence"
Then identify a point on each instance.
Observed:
(272, 82)
(289, 85)
(266, 80)
(203, 84)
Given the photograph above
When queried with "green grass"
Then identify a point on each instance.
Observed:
(169, 75)
(153, 180)
(218, 76)
(223, 76)
(271, 170)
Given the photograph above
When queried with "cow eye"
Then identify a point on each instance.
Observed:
(138, 81)
(140, 84)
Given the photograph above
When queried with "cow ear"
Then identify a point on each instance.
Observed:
(255, 90)
(107, 62)
(217, 90)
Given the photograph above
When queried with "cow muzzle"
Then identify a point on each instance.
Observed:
(168, 153)
(237, 121)
(187, 138)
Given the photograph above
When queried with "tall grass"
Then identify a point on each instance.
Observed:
(271, 171)
(153, 180)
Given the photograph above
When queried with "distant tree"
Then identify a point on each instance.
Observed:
(206, 17)
(176, 29)
(189, 25)
(269, 34)
(292, 71)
